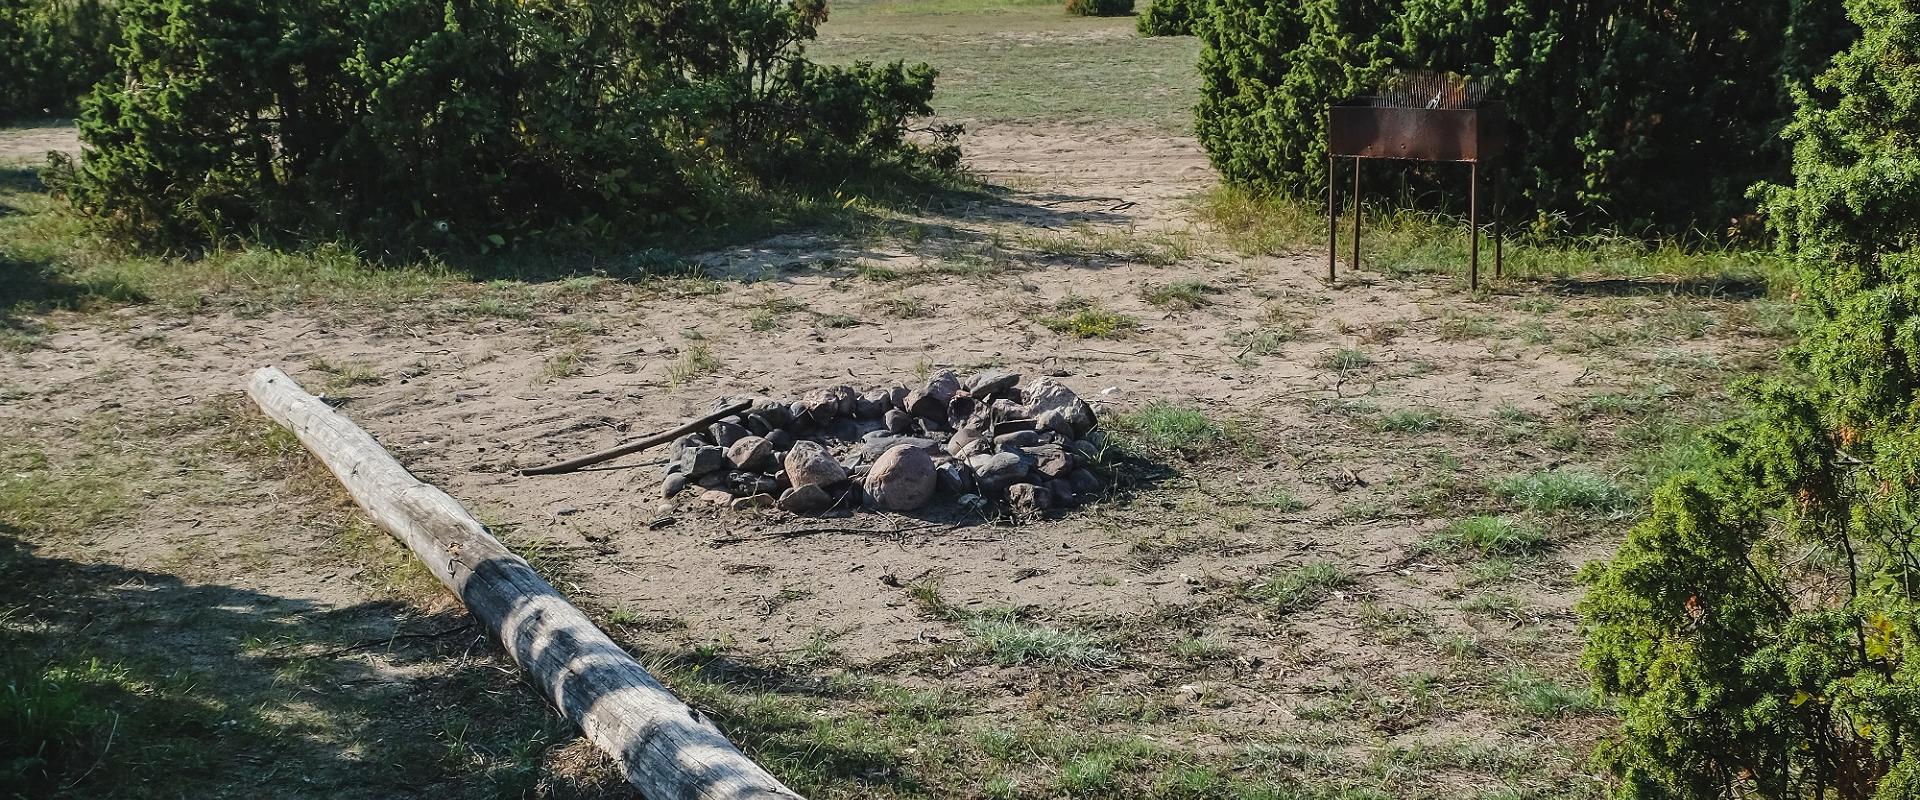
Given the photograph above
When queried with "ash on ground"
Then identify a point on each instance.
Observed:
(981, 442)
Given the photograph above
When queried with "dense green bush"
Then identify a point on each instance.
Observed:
(1761, 631)
(1170, 17)
(1099, 8)
(1625, 114)
(402, 124)
(51, 52)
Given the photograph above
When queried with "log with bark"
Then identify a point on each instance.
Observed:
(665, 748)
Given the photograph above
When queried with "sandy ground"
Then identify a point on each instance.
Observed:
(464, 401)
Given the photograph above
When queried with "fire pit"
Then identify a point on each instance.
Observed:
(981, 442)
(1418, 117)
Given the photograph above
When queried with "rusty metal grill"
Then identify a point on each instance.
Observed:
(1418, 117)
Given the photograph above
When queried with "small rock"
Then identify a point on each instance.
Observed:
(943, 386)
(871, 451)
(901, 480)
(954, 478)
(718, 497)
(923, 405)
(757, 424)
(1086, 449)
(833, 401)
(695, 462)
(684, 444)
(1085, 483)
(754, 501)
(806, 499)
(781, 440)
(1051, 460)
(899, 422)
(776, 413)
(972, 502)
(798, 418)
(1047, 394)
(897, 397)
(725, 433)
(716, 479)
(1014, 425)
(1062, 493)
(808, 464)
(751, 453)
(1055, 420)
(962, 445)
(1028, 499)
(992, 382)
(674, 484)
(741, 483)
(873, 404)
(994, 472)
(1017, 439)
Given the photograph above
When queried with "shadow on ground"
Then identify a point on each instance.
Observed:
(205, 690)
(1722, 287)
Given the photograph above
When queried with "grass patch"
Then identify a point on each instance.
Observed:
(1406, 241)
(1303, 587)
(1184, 295)
(1487, 536)
(1091, 322)
(1412, 420)
(696, 360)
(1541, 696)
(1281, 499)
(900, 306)
(1345, 359)
(1563, 490)
(1165, 426)
(1002, 635)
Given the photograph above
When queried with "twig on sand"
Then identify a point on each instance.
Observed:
(804, 532)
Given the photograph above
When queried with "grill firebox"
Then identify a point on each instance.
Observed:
(1419, 117)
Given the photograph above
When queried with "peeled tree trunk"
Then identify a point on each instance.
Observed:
(665, 748)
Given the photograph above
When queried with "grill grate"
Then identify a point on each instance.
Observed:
(1429, 90)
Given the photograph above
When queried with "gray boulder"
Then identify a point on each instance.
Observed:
(807, 499)
(752, 453)
(1028, 499)
(994, 472)
(1048, 394)
(902, 479)
(808, 464)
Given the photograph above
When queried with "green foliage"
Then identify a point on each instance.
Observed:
(48, 721)
(1099, 8)
(1170, 17)
(1760, 629)
(467, 124)
(1627, 113)
(51, 52)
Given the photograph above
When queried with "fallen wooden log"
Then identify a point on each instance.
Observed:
(666, 749)
(638, 445)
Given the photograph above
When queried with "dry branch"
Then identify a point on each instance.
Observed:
(638, 445)
(666, 749)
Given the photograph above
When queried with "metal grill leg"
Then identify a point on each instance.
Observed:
(1473, 224)
(1498, 208)
(1333, 221)
(1355, 266)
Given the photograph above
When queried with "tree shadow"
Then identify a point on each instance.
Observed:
(1726, 287)
(141, 684)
